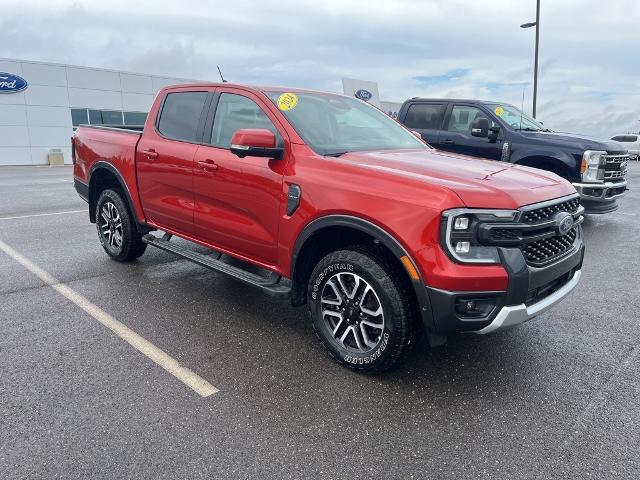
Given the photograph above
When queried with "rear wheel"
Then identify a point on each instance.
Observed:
(361, 309)
(117, 230)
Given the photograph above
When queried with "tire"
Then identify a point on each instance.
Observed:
(117, 230)
(366, 294)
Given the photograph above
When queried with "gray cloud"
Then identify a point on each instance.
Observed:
(589, 76)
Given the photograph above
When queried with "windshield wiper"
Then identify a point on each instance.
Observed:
(529, 129)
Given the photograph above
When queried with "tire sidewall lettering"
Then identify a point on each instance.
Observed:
(330, 269)
(365, 360)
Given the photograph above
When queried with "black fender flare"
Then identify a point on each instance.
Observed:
(553, 156)
(388, 240)
(104, 165)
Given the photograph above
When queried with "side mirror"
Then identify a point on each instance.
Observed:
(480, 127)
(255, 142)
(493, 133)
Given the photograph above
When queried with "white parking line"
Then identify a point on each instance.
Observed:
(170, 364)
(43, 214)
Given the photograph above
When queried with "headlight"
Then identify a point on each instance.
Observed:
(590, 168)
(460, 233)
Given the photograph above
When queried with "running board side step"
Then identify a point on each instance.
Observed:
(273, 284)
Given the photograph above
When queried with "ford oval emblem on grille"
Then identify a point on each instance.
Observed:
(564, 222)
(10, 83)
(364, 95)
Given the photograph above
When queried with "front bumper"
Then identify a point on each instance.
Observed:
(517, 314)
(600, 197)
(530, 291)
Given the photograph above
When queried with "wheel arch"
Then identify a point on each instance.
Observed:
(103, 175)
(330, 232)
(561, 163)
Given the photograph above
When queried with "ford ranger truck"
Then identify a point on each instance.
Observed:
(498, 131)
(326, 200)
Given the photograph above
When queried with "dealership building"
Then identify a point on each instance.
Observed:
(41, 103)
(39, 119)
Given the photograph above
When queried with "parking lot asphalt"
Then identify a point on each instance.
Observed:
(557, 397)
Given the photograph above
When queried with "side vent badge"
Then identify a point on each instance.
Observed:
(293, 198)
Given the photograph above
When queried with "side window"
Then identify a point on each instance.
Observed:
(424, 116)
(463, 116)
(181, 114)
(233, 113)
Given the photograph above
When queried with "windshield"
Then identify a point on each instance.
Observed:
(333, 125)
(516, 118)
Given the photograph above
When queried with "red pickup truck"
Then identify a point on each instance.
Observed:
(325, 199)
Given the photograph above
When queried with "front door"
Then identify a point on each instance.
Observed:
(238, 200)
(456, 136)
(164, 162)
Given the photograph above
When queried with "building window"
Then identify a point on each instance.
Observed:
(105, 117)
(85, 116)
(135, 118)
(79, 116)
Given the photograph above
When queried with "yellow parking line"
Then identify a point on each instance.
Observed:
(170, 364)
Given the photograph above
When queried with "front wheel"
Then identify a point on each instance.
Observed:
(362, 310)
(117, 229)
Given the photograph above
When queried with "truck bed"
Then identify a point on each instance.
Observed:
(108, 146)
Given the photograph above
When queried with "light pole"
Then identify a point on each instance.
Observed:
(535, 67)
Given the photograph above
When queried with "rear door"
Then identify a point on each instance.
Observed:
(238, 200)
(456, 134)
(426, 119)
(165, 157)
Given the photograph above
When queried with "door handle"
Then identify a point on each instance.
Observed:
(151, 154)
(447, 140)
(207, 164)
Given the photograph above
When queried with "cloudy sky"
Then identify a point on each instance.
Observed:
(589, 78)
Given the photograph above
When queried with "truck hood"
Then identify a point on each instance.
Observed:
(478, 183)
(578, 142)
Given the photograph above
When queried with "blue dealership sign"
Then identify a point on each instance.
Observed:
(363, 94)
(10, 83)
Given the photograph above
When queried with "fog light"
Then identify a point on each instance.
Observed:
(475, 307)
(462, 247)
(461, 223)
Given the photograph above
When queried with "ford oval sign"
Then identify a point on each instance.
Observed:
(10, 83)
(363, 95)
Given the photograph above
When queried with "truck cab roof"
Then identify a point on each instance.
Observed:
(455, 100)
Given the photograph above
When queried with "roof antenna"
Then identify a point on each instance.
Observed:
(220, 72)
(522, 107)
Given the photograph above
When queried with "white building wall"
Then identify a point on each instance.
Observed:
(34, 121)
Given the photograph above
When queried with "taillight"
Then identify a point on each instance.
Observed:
(73, 150)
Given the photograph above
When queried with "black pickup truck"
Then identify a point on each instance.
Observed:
(499, 131)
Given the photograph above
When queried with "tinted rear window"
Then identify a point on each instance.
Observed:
(181, 114)
(424, 116)
(626, 138)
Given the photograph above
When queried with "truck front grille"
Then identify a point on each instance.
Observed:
(537, 233)
(547, 212)
(615, 166)
(545, 251)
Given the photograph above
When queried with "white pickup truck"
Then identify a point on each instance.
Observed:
(631, 142)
